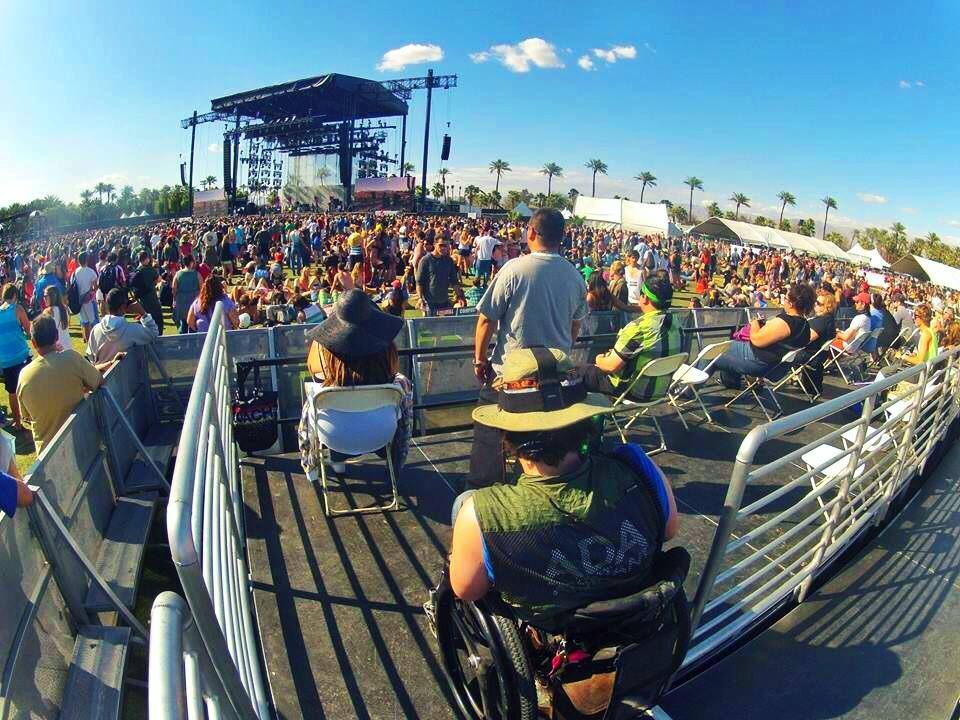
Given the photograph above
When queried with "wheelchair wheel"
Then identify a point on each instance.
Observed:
(485, 661)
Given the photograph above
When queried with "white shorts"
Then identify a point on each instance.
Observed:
(88, 314)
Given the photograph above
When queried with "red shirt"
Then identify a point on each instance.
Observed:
(204, 271)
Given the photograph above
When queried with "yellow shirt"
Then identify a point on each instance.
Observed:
(50, 387)
(355, 240)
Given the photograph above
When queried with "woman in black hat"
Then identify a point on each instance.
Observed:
(354, 346)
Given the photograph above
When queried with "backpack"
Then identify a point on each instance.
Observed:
(73, 297)
(648, 261)
(109, 279)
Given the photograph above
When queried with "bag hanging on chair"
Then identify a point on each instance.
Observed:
(255, 426)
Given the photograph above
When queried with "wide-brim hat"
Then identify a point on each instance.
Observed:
(538, 390)
(356, 327)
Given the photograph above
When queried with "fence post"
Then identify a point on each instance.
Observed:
(843, 497)
(906, 445)
(107, 445)
(935, 433)
(166, 687)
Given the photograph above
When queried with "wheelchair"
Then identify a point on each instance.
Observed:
(609, 660)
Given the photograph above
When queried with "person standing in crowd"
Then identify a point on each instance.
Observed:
(485, 244)
(56, 307)
(201, 311)
(114, 334)
(86, 279)
(436, 276)
(54, 382)
(14, 351)
(186, 288)
(538, 299)
(144, 285)
(652, 335)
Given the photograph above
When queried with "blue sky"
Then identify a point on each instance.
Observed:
(856, 100)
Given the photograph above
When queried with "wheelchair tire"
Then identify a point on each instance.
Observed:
(513, 695)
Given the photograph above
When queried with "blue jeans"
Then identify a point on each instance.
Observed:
(458, 502)
(739, 360)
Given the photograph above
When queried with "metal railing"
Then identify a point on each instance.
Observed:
(204, 525)
(827, 493)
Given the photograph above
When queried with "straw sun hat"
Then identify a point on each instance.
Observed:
(538, 390)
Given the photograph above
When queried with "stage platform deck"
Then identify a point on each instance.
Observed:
(339, 600)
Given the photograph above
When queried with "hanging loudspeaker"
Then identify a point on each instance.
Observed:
(183, 174)
(227, 162)
(445, 153)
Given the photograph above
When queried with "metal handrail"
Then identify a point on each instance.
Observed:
(204, 521)
(751, 571)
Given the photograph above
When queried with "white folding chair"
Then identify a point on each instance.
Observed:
(657, 368)
(690, 376)
(338, 411)
(848, 351)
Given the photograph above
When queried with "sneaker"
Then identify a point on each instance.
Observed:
(339, 468)
(430, 610)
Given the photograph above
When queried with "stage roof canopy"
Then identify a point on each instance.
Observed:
(332, 97)
(632, 216)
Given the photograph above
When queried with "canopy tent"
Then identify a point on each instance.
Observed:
(523, 210)
(616, 212)
(929, 270)
(566, 214)
(124, 216)
(750, 234)
(144, 213)
(868, 257)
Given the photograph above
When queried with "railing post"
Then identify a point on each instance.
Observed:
(843, 497)
(107, 444)
(935, 433)
(166, 688)
(906, 445)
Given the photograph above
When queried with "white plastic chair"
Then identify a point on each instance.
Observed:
(378, 405)
(690, 376)
(656, 368)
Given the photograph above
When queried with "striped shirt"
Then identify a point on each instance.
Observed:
(651, 336)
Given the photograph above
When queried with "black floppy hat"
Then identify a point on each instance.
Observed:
(356, 327)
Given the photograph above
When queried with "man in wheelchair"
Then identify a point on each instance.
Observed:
(558, 597)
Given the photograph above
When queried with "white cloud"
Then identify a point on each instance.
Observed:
(213, 147)
(650, 47)
(411, 54)
(872, 199)
(904, 84)
(919, 83)
(909, 210)
(586, 63)
(617, 52)
(951, 240)
(518, 58)
(953, 223)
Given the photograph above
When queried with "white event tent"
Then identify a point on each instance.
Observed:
(523, 210)
(645, 218)
(749, 234)
(868, 257)
(929, 270)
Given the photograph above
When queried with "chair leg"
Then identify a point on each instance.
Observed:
(393, 505)
(323, 478)
(663, 440)
(623, 438)
(673, 401)
(748, 388)
(393, 478)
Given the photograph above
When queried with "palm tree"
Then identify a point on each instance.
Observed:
(499, 167)
(439, 190)
(713, 210)
(443, 172)
(407, 168)
(471, 192)
(323, 173)
(695, 183)
(208, 182)
(786, 198)
(647, 178)
(572, 195)
(739, 199)
(86, 195)
(551, 170)
(108, 190)
(831, 205)
(597, 166)
(100, 188)
(899, 231)
(51, 201)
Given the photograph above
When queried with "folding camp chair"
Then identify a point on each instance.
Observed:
(690, 376)
(378, 407)
(848, 352)
(758, 383)
(800, 373)
(656, 368)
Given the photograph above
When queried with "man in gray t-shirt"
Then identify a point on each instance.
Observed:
(536, 299)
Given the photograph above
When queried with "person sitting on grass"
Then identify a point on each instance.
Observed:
(654, 334)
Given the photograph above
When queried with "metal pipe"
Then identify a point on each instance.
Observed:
(193, 143)
(426, 142)
(166, 684)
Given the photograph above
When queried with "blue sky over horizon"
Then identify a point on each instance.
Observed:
(856, 100)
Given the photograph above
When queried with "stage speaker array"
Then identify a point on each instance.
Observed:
(445, 153)
(183, 174)
(227, 164)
